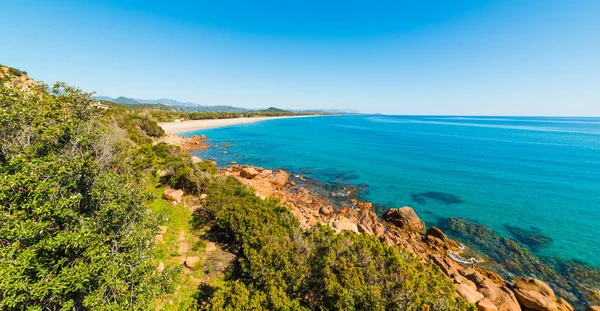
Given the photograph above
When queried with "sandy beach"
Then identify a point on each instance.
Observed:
(186, 126)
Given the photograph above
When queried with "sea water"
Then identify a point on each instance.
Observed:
(533, 173)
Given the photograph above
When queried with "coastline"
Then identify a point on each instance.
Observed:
(174, 128)
(486, 270)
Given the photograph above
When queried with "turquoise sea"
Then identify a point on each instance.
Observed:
(537, 174)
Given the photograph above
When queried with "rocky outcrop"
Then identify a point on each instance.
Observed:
(404, 218)
(499, 295)
(195, 160)
(401, 227)
(345, 225)
(173, 195)
(280, 179)
(248, 172)
(364, 205)
(536, 295)
(593, 308)
(191, 261)
(186, 144)
(438, 240)
(326, 210)
(14, 78)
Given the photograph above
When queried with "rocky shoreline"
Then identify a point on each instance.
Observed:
(402, 227)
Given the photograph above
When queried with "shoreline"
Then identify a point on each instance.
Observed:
(474, 280)
(174, 128)
(501, 264)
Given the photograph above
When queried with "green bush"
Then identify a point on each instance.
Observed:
(74, 233)
(280, 266)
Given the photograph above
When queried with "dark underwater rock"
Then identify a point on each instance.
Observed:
(534, 239)
(442, 197)
(418, 198)
(573, 280)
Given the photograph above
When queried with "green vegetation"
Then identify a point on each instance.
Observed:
(280, 266)
(75, 232)
(84, 226)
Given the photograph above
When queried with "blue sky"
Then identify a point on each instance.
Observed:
(397, 57)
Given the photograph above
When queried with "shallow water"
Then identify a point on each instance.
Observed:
(540, 175)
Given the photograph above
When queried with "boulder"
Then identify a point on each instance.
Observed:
(326, 210)
(248, 172)
(468, 293)
(195, 159)
(535, 301)
(346, 226)
(404, 218)
(172, 194)
(369, 222)
(501, 296)
(211, 247)
(365, 205)
(531, 284)
(486, 305)
(161, 267)
(438, 240)
(279, 179)
(563, 305)
(536, 295)
(448, 266)
(191, 262)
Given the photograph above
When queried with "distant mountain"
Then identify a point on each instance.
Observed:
(273, 109)
(125, 100)
(189, 106)
(166, 101)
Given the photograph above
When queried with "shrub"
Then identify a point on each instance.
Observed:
(74, 234)
(283, 267)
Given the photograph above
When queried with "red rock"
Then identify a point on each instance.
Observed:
(346, 226)
(486, 305)
(191, 262)
(404, 218)
(279, 179)
(172, 194)
(531, 284)
(536, 295)
(365, 205)
(326, 210)
(535, 301)
(248, 172)
(196, 159)
(469, 294)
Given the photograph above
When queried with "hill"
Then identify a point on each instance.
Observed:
(188, 106)
(15, 78)
(274, 109)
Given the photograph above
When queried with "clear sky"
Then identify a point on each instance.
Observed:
(509, 57)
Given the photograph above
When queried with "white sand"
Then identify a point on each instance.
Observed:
(191, 125)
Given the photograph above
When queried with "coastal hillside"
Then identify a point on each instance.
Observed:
(99, 213)
(101, 210)
(15, 78)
